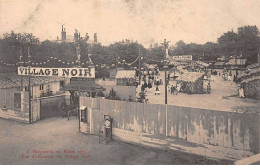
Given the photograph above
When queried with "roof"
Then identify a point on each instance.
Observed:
(189, 76)
(11, 80)
(249, 72)
(219, 63)
(251, 79)
(125, 74)
(106, 82)
(252, 66)
(243, 74)
(202, 63)
(238, 61)
(85, 86)
(149, 66)
(255, 70)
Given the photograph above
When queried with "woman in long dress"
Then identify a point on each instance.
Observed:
(241, 92)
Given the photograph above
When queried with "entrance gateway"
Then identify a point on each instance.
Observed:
(60, 72)
(81, 80)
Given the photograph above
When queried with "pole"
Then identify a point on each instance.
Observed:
(139, 66)
(165, 74)
(21, 64)
(79, 112)
(21, 83)
(165, 68)
(117, 56)
(29, 85)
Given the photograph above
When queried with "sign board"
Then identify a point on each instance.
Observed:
(57, 72)
(182, 58)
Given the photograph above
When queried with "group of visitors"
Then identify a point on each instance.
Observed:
(226, 75)
(175, 89)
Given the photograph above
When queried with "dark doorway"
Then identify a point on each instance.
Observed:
(50, 107)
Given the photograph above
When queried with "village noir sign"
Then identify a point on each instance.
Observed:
(60, 72)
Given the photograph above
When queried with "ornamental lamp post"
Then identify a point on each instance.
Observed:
(165, 44)
(165, 68)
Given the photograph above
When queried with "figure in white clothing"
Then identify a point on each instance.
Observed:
(229, 78)
(212, 77)
(178, 86)
(241, 92)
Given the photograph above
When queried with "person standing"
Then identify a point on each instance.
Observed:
(157, 91)
(149, 86)
(63, 108)
(175, 90)
(178, 86)
(229, 78)
(172, 89)
(208, 88)
(241, 92)
(142, 88)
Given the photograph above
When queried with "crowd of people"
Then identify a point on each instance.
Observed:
(151, 80)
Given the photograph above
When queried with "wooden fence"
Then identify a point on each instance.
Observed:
(219, 128)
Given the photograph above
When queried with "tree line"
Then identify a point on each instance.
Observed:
(245, 41)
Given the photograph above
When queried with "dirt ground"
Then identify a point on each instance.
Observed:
(223, 97)
(57, 141)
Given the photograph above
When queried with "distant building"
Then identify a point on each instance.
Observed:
(125, 77)
(250, 80)
(87, 37)
(221, 59)
(63, 34)
(236, 63)
(76, 35)
(95, 37)
(219, 65)
(14, 100)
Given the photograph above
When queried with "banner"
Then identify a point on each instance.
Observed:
(58, 72)
(182, 58)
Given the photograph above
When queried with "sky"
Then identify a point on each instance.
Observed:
(147, 21)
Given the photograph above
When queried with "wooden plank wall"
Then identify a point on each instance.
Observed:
(226, 129)
(219, 128)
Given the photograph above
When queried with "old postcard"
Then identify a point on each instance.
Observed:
(129, 82)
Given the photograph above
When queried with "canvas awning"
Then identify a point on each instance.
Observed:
(202, 63)
(125, 74)
(83, 86)
(251, 79)
(189, 76)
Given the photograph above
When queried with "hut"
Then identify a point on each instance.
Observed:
(45, 96)
(84, 86)
(191, 82)
(236, 63)
(219, 65)
(250, 80)
(251, 87)
(126, 77)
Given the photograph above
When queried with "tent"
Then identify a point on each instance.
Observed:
(191, 82)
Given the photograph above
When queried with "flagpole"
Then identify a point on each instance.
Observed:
(29, 85)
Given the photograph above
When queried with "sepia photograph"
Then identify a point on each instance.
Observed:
(129, 82)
